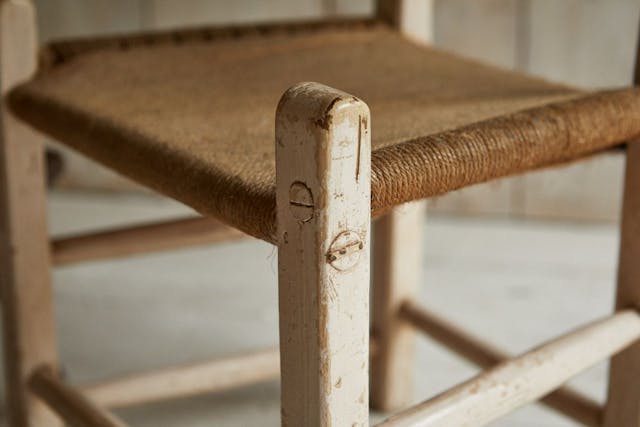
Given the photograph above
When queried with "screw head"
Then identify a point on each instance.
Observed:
(301, 201)
(344, 251)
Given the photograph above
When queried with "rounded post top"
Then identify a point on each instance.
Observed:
(318, 103)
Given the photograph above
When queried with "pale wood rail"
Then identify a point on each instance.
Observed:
(133, 240)
(71, 405)
(525, 378)
(204, 377)
(397, 264)
(564, 400)
(211, 376)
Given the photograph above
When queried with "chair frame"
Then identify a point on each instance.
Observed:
(324, 241)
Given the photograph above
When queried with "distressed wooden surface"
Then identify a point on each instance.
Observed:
(565, 400)
(525, 378)
(323, 196)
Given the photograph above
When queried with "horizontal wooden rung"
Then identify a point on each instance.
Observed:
(204, 377)
(211, 376)
(154, 237)
(564, 400)
(525, 378)
(75, 409)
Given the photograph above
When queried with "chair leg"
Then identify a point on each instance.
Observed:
(28, 322)
(25, 282)
(623, 406)
(323, 209)
(397, 264)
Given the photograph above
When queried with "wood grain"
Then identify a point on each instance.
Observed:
(623, 406)
(27, 311)
(141, 239)
(397, 272)
(323, 197)
(525, 378)
(73, 407)
(564, 400)
(205, 377)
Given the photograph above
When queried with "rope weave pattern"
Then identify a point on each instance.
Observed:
(196, 122)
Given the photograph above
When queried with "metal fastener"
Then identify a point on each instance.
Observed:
(301, 201)
(345, 250)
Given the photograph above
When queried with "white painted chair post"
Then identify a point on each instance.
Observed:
(323, 185)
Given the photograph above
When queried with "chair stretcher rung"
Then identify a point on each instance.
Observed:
(141, 239)
(204, 377)
(524, 378)
(564, 400)
(75, 409)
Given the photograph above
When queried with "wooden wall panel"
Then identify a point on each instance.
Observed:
(72, 18)
(590, 190)
(350, 7)
(486, 30)
(587, 44)
(170, 13)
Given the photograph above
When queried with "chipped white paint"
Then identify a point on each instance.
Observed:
(567, 401)
(323, 142)
(525, 378)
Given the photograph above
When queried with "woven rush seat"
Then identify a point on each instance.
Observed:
(191, 114)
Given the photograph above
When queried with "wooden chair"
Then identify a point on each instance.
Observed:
(190, 114)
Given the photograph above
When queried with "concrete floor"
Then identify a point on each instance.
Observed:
(513, 283)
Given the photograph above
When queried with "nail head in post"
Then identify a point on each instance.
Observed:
(345, 250)
(301, 201)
